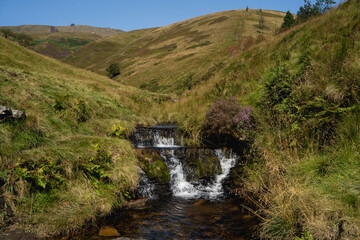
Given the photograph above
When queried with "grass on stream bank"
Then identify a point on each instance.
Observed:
(303, 85)
(69, 161)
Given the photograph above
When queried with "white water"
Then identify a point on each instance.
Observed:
(164, 142)
(182, 188)
(158, 140)
(216, 189)
(178, 184)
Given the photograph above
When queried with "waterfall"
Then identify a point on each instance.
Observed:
(216, 189)
(158, 137)
(164, 140)
(182, 188)
(179, 186)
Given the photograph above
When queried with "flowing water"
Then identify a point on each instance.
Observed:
(190, 209)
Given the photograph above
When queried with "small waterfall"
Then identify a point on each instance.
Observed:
(158, 137)
(182, 188)
(179, 186)
(216, 189)
(164, 140)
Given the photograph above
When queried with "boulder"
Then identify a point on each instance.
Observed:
(108, 231)
(17, 114)
(7, 114)
(138, 203)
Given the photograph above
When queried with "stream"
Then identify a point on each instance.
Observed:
(188, 208)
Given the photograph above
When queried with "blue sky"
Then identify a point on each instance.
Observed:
(122, 14)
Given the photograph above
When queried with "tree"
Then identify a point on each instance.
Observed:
(24, 40)
(113, 70)
(7, 33)
(289, 20)
(323, 6)
(247, 8)
(312, 10)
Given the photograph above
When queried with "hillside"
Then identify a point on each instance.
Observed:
(61, 41)
(302, 170)
(177, 57)
(103, 32)
(61, 45)
(70, 162)
(58, 165)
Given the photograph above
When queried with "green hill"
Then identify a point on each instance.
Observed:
(61, 41)
(179, 56)
(103, 32)
(61, 45)
(302, 170)
(300, 163)
(59, 164)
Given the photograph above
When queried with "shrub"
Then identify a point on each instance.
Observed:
(113, 70)
(42, 175)
(82, 112)
(59, 105)
(97, 168)
(118, 131)
(228, 119)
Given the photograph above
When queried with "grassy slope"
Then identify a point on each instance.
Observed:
(98, 51)
(77, 28)
(305, 173)
(59, 45)
(179, 56)
(61, 41)
(57, 142)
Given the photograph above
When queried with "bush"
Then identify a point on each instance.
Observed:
(113, 70)
(23, 39)
(42, 175)
(97, 168)
(118, 131)
(228, 120)
(81, 111)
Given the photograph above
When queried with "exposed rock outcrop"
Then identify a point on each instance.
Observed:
(7, 114)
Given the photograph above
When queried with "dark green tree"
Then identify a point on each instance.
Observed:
(289, 20)
(323, 6)
(24, 40)
(113, 70)
(7, 33)
(312, 10)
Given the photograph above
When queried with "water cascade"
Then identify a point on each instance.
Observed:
(179, 161)
(186, 198)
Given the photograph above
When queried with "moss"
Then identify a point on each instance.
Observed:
(205, 167)
(153, 165)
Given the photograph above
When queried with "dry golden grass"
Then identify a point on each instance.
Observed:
(170, 55)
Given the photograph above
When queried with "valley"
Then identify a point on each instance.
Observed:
(223, 119)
